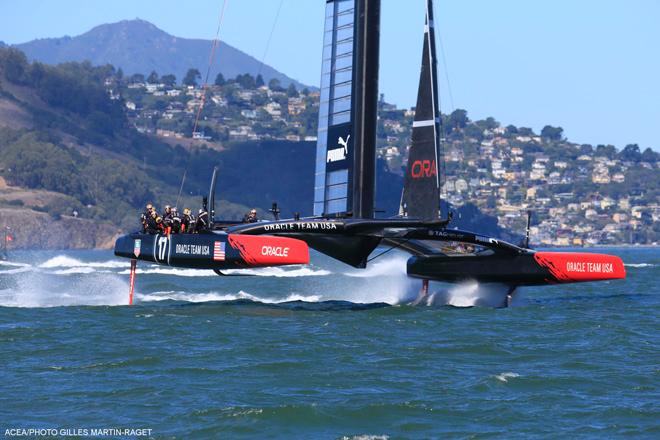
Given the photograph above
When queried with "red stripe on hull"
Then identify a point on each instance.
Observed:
(269, 250)
(572, 267)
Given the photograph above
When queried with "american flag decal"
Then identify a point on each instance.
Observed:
(219, 251)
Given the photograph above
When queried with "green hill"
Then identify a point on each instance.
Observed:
(66, 134)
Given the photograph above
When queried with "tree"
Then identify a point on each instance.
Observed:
(630, 153)
(511, 129)
(291, 91)
(552, 133)
(15, 64)
(246, 81)
(260, 81)
(220, 80)
(160, 105)
(191, 77)
(586, 149)
(153, 77)
(474, 131)
(275, 85)
(458, 119)
(608, 151)
(169, 80)
(137, 78)
(489, 123)
(649, 156)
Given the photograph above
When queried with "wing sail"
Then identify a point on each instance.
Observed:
(421, 192)
(345, 151)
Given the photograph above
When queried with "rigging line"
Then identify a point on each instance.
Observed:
(214, 45)
(390, 249)
(183, 180)
(270, 37)
(444, 64)
(443, 192)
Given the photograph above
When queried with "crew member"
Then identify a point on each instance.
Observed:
(250, 217)
(160, 226)
(152, 225)
(175, 220)
(145, 216)
(187, 222)
(202, 223)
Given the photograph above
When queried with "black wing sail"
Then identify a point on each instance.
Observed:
(346, 148)
(421, 191)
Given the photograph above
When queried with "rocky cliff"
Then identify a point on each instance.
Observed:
(37, 230)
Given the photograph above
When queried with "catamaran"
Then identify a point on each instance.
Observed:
(343, 225)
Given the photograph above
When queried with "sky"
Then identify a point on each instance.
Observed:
(589, 66)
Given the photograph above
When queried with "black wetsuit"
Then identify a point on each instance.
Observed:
(176, 223)
(250, 218)
(202, 223)
(143, 221)
(152, 226)
(188, 222)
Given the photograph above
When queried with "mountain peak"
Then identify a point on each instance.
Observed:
(136, 28)
(139, 46)
(136, 23)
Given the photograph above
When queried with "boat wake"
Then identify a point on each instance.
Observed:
(469, 294)
(291, 302)
(36, 289)
(66, 281)
(276, 272)
(65, 265)
(640, 265)
(214, 296)
(62, 261)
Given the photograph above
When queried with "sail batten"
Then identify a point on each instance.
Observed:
(421, 192)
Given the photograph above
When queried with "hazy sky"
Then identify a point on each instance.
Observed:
(590, 66)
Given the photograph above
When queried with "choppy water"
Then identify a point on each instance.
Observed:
(320, 352)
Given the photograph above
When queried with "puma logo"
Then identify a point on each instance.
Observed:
(341, 153)
(343, 142)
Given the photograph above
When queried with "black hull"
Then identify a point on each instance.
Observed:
(490, 261)
(519, 270)
(212, 250)
(526, 269)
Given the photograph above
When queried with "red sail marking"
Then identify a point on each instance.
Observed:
(423, 168)
(572, 267)
(270, 251)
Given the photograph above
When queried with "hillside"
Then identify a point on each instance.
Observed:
(137, 46)
(580, 194)
(63, 132)
(111, 143)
